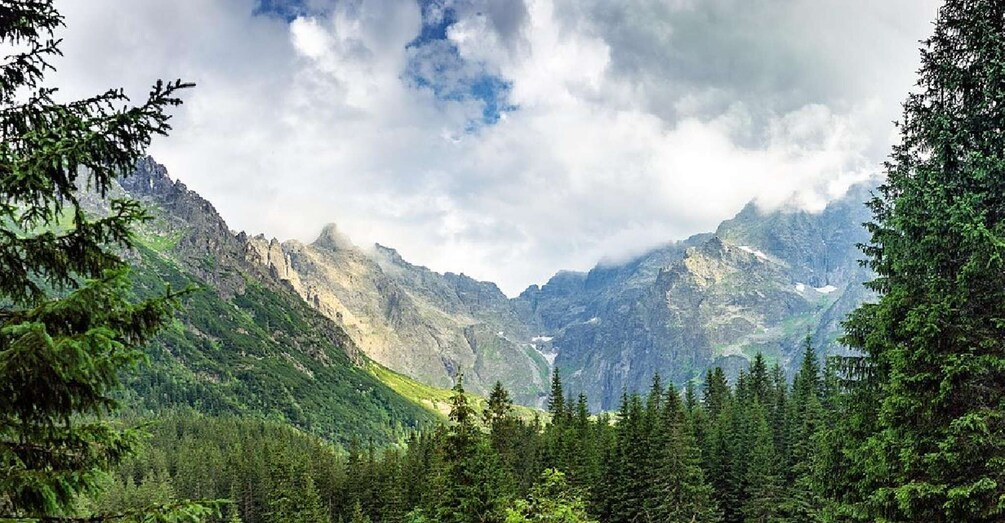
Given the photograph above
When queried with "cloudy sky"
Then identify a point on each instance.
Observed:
(508, 139)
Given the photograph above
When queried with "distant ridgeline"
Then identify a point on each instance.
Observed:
(245, 343)
(761, 283)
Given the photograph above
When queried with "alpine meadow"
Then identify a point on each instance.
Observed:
(782, 307)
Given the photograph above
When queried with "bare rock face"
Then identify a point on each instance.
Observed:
(333, 239)
(200, 237)
(270, 254)
(423, 324)
(761, 283)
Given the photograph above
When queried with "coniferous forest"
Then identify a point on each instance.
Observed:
(907, 424)
(756, 451)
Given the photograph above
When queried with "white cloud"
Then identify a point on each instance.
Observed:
(636, 122)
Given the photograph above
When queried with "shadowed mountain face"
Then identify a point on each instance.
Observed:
(760, 282)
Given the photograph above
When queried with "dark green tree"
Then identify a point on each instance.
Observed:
(803, 501)
(474, 485)
(762, 482)
(550, 501)
(67, 327)
(935, 341)
(556, 398)
(297, 499)
(499, 408)
(721, 457)
(717, 392)
(682, 494)
(358, 516)
(629, 473)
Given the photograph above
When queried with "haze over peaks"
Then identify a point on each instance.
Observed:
(509, 139)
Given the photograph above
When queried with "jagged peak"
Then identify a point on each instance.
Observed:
(390, 252)
(333, 239)
(148, 177)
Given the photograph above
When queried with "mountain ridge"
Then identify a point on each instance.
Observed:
(244, 342)
(607, 329)
(760, 283)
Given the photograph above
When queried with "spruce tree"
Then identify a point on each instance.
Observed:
(550, 501)
(719, 458)
(717, 392)
(556, 399)
(935, 340)
(628, 478)
(682, 493)
(474, 486)
(499, 407)
(67, 327)
(760, 381)
(762, 484)
(803, 501)
(358, 516)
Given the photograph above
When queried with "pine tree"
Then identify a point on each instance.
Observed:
(296, 498)
(717, 392)
(803, 501)
(762, 483)
(935, 340)
(499, 407)
(779, 412)
(358, 516)
(584, 466)
(720, 456)
(628, 478)
(760, 380)
(475, 486)
(67, 328)
(690, 397)
(550, 501)
(556, 399)
(682, 495)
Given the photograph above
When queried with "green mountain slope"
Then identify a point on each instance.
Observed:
(244, 343)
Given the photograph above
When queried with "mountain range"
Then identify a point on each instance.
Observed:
(297, 329)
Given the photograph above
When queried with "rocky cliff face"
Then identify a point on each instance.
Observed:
(761, 283)
(427, 325)
(245, 341)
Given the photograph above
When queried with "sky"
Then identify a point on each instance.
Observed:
(508, 139)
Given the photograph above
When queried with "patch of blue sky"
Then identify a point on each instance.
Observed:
(434, 61)
(436, 64)
(288, 10)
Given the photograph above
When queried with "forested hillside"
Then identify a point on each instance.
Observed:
(244, 343)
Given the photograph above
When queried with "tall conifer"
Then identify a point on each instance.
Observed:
(935, 340)
(68, 329)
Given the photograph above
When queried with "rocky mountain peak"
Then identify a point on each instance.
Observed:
(149, 178)
(333, 239)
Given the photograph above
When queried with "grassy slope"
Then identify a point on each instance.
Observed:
(436, 399)
(260, 353)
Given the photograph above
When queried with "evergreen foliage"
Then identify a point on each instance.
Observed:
(928, 420)
(644, 465)
(550, 501)
(67, 325)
